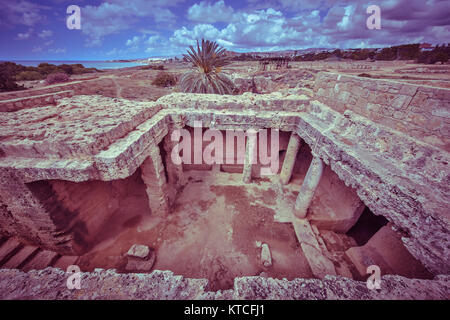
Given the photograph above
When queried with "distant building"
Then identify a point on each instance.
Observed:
(426, 47)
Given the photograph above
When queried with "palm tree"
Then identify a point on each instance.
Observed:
(206, 77)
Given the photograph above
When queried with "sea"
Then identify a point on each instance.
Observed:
(86, 64)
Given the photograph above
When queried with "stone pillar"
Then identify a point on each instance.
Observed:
(289, 159)
(308, 187)
(250, 155)
(154, 178)
(174, 171)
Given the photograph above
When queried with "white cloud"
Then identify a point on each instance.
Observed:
(21, 13)
(57, 50)
(115, 16)
(153, 40)
(25, 35)
(210, 13)
(133, 42)
(282, 24)
(259, 29)
(36, 49)
(45, 34)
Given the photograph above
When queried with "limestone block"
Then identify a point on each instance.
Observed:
(386, 250)
(137, 264)
(266, 257)
(138, 251)
(319, 264)
(335, 206)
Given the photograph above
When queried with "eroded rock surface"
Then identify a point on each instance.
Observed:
(50, 283)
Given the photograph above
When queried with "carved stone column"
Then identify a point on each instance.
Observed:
(289, 159)
(250, 155)
(154, 177)
(308, 187)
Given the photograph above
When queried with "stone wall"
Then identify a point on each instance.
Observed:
(50, 284)
(33, 101)
(420, 111)
(349, 65)
(38, 97)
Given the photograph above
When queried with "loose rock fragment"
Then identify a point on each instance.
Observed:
(266, 258)
(140, 258)
(138, 251)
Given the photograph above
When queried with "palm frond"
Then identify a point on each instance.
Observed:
(207, 60)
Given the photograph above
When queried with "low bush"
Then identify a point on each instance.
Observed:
(153, 67)
(8, 70)
(164, 79)
(29, 75)
(57, 78)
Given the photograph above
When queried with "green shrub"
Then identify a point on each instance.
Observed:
(47, 68)
(153, 67)
(82, 70)
(57, 78)
(29, 75)
(164, 79)
(66, 68)
(8, 70)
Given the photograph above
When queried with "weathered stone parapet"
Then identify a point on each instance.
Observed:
(247, 101)
(51, 284)
(289, 159)
(250, 155)
(308, 187)
(419, 111)
(385, 186)
(154, 177)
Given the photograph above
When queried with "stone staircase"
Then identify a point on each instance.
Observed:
(17, 255)
(321, 261)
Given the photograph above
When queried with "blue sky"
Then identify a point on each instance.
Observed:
(117, 29)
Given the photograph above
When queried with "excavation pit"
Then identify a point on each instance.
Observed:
(216, 223)
(90, 194)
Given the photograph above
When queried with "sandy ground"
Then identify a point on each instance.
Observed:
(213, 232)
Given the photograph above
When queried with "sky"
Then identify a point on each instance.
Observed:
(131, 29)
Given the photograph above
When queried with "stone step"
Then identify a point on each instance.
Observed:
(319, 239)
(42, 260)
(66, 261)
(8, 249)
(304, 233)
(20, 257)
(320, 264)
